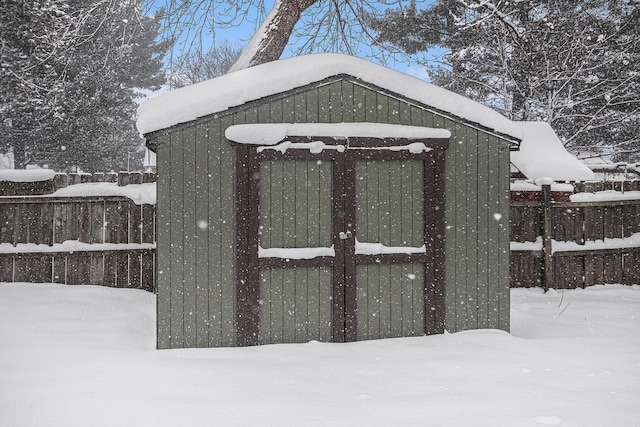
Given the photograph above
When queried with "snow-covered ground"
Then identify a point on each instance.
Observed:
(84, 356)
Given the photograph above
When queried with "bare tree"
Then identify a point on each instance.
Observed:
(313, 25)
(193, 67)
(269, 41)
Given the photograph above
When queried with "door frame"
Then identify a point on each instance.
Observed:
(344, 210)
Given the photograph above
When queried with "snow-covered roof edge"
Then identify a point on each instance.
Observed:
(237, 88)
(542, 154)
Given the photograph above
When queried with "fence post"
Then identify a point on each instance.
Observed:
(546, 236)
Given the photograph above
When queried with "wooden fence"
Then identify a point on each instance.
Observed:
(62, 180)
(106, 240)
(110, 241)
(562, 244)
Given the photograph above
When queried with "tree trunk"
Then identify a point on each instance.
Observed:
(273, 35)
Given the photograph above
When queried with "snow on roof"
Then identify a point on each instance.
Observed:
(272, 133)
(542, 154)
(234, 89)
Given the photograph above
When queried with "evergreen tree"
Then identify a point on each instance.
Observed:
(34, 38)
(572, 64)
(102, 55)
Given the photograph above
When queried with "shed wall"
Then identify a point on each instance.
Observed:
(196, 238)
(196, 168)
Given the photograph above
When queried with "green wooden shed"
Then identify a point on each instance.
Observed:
(327, 198)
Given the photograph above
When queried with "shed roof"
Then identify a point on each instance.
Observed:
(237, 88)
(542, 155)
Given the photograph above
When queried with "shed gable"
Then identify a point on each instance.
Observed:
(336, 99)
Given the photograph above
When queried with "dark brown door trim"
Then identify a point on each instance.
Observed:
(344, 221)
(247, 270)
(434, 223)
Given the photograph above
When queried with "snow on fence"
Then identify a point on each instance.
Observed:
(591, 237)
(83, 234)
(38, 182)
(562, 240)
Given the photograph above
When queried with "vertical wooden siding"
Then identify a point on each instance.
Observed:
(477, 173)
(295, 305)
(389, 202)
(295, 204)
(389, 210)
(295, 212)
(477, 236)
(390, 300)
(196, 238)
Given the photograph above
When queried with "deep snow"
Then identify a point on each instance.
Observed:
(84, 356)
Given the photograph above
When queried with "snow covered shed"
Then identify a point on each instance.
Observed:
(327, 198)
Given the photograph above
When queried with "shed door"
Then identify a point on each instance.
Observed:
(296, 256)
(389, 250)
(346, 245)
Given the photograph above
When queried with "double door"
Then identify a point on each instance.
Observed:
(343, 244)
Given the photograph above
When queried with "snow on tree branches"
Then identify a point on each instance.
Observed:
(572, 64)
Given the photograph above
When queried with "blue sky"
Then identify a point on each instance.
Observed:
(241, 33)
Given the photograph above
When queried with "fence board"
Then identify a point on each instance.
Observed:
(59, 270)
(84, 222)
(631, 270)
(148, 224)
(631, 219)
(20, 227)
(135, 269)
(110, 262)
(6, 213)
(46, 223)
(147, 280)
(613, 267)
(593, 223)
(6, 269)
(96, 218)
(135, 223)
(61, 222)
(97, 270)
(122, 270)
